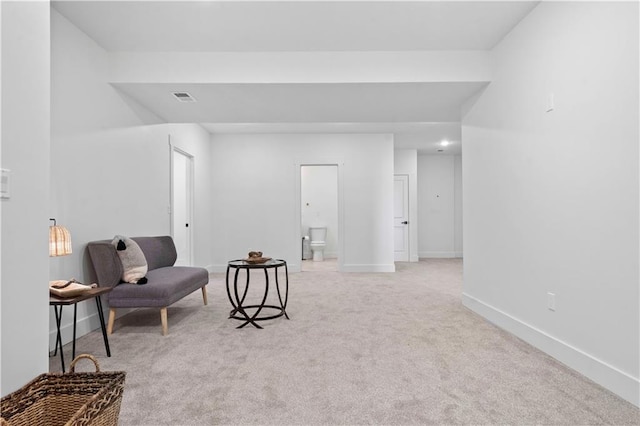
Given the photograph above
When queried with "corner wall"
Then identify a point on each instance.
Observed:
(551, 198)
(25, 126)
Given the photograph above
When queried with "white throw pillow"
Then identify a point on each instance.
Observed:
(134, 264)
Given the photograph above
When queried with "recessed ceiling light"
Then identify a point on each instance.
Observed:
(444, 143)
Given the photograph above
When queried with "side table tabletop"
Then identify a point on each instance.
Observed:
(59, 302)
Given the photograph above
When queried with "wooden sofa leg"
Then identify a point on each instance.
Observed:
(112, 318)
(204, 294)
(163, 319)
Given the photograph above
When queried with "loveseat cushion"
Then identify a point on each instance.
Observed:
(164, 287)
(159, 251)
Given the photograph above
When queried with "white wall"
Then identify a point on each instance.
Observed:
(405, 162)
(319, 189)
(256, 196)
(439, 206)
(551, 199)
(457, 206)
(25, 128)
(110, 157)
(196, 141)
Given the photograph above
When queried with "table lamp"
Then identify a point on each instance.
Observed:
(60, 245)
(59, 240)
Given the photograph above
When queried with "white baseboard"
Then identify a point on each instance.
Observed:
(608, 376)
(414, 258)
(368, 268)
(438, 254)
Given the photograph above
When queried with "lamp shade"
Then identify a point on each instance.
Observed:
(59, 241)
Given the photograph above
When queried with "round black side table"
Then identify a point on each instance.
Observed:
(239, 311)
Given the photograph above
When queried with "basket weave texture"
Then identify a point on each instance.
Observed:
(66, 399)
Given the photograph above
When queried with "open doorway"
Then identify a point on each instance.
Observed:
(319, 217)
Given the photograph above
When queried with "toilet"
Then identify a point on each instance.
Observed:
(318, 236)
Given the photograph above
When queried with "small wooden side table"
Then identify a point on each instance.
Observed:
(59, 302)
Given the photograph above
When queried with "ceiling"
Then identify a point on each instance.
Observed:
(430, 109)
(250, 26)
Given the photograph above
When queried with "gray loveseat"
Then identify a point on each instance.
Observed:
(166, 283)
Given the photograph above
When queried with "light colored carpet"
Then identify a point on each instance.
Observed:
(359, 349)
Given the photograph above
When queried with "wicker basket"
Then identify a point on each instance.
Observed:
(66, 399)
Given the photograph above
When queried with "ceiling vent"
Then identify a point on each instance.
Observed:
(184, 97)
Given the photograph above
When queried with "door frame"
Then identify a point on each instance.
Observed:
(190, 194)
(298, 208)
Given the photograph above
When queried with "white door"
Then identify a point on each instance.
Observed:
(401, 218)
(182, 184)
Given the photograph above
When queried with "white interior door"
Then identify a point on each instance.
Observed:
(182, 190)
(401, 218)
